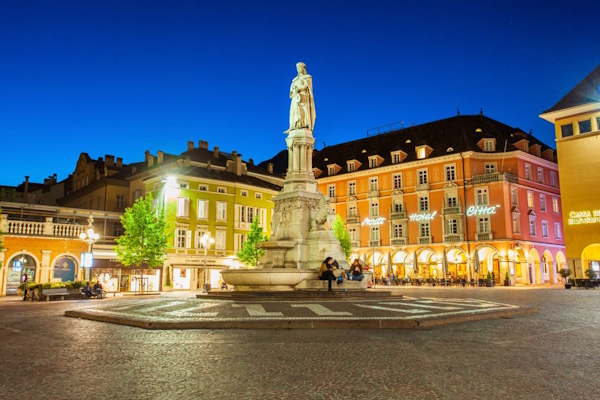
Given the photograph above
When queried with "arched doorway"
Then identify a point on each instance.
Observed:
(457, 262)
(535, 267)
(401, 262)
(17, 266)
(561, 262)
(377, 262)
(548, 268)
(488, 262)
(64, 269)
(590, 259)
(520, 264)
(427, 264)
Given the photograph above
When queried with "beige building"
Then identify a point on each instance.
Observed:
(576, 118)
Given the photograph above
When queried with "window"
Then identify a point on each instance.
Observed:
(450, 172)
(350, 166)
(424, 229)
(331, 191)
(353, 236)
(155, 206)
(452, 201)
(566, 130)
(422, 176)
(532, 226)
(489, 168)
(542, 202)
(250, 214)
(482, 197)
(514, 196)
(203, 188)
(452, 227)
(528, 172)
(372, 162)
(545, 229)
(398, 231)
(258, 195)
(118, 231)
(136, 195)
(184, 185)
(397, 206)
(120, 200)
(180, 238)
(420, 152)
(352, 211)
(375, 233)
(585, 126)
(244, 193)
(557, 230)
(395, 158)
(199, 233)
(351, 188)
(516, 223)
(483, 224)
(221, 190)
(396, 181)
(221, 210)
(489, 145)
(424, 203)
(530, 199)
(183, 207)
(555, 205)
(553, 181)
(540, 172)
(220, 240)
(374, 209)
(202, 209)
(373, 185)
(330, 170)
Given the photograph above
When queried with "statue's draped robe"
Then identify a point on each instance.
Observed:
(302, 108)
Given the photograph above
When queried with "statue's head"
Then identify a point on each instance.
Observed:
(301, 67)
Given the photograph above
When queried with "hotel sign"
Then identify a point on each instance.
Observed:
(422, 217)
(482, 210)
(584, 217)
(373, 221)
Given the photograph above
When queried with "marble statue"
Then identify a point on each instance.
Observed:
(302, 108)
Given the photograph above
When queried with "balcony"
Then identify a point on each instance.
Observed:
(374, 243)
(452, 210)
(483, 236)
(422, 187)
(352, 219)
(398, 215)
(48, 228)
(494, 177)
(399, 241)
(373, 193)
(453, 238)
(425, 240)
(332, 199)
(355, 244)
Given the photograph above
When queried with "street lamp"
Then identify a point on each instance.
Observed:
(90, 237)
(206, 241)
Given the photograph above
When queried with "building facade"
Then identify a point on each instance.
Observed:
(458, 197)
(576, 118)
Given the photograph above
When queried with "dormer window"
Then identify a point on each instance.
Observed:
(373, 162)
(421, 152)
(489, 145)
(331, 170)
(351, 166)
(396, 157)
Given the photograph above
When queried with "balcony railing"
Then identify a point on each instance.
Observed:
(399, 241)
(373, 193)
(47, 228)
(422, 186)
(332, 199)
(425, 240)
(453, 238)
(398, 215)
(374, 243)
(352, 219)
(494, 177)
(355, 244)
(483, 236)
(452, 210)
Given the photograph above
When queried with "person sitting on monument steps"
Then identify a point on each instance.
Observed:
(326, 272)
(356, 271)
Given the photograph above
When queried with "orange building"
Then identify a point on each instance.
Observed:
(459, 197)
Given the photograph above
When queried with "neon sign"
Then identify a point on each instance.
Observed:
(584, 217)
(481, 210)
(373, 222)
(422, 217)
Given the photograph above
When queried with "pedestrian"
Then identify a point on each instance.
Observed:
(87, 290)
(326, 272)
(25, 283)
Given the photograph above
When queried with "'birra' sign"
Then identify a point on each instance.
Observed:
(373, 221)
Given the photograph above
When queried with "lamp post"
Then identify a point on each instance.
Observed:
(206, 241)
(90, 237)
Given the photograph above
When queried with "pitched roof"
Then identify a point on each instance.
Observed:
(587, 91)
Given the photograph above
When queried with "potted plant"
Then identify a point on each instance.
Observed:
(566, 273)
(488, 281)
(168, 286)
(591, 274)
(507, 279)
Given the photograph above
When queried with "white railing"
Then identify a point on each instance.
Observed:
(67, 230)
(399, 241)
(25, 228)
(47, 228)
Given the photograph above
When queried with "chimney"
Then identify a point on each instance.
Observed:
(270, 168)
(150, 159)
(160, 155)
(216, 152)
(190, 145)
(147, 155)
(26, 185)
(250, 161)
(119, 162)
(203, 144)
(238, 163)
(110, 160)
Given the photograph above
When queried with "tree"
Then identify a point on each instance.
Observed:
(342, 234)
(250, 253)
(144, 241)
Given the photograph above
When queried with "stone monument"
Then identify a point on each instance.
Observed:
(301, 235)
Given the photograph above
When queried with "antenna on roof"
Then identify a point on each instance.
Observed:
(324, 144)
(481, 111)
(457, 111)
(530, 130)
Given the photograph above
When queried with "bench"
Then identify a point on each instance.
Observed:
(55, 292)
(95, 295)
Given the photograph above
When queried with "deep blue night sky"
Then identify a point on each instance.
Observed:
(122, 77)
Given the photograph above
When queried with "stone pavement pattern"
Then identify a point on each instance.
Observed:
(549, 355)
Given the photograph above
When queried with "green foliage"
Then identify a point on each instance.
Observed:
(489, 276)
(144, 242)
(565, 273)
(250, 253)
(168, 277)
(591, 274)
(507, 276)
(342, 234)
(54, 285)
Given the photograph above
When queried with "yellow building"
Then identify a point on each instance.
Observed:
(576, 118)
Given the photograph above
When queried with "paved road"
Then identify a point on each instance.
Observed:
(549, 355)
